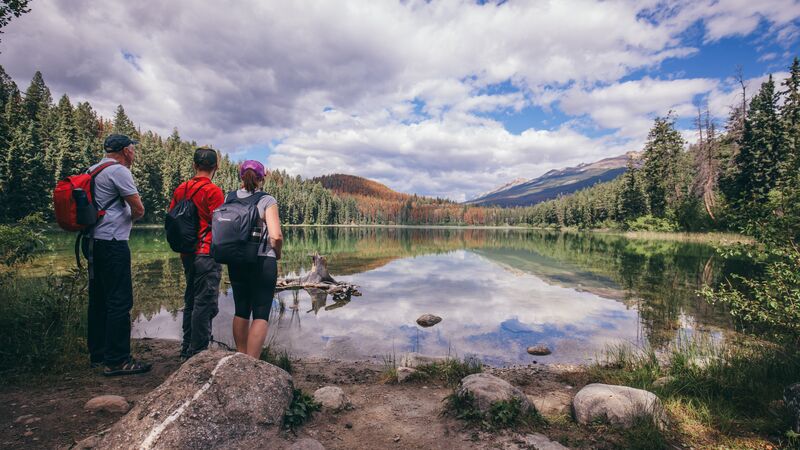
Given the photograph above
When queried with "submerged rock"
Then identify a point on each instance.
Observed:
(539, 350)
(487, 389)
(216, 399)
(331, 397)
(428, 320)
(617, 405)
(108, 403)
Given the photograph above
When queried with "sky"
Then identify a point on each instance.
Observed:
(444, 98)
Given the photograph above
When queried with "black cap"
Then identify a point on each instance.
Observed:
(205, 158)
(116, 142)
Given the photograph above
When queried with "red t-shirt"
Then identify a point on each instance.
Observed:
(208, 198)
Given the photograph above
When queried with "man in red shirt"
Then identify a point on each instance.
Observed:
(203, 274)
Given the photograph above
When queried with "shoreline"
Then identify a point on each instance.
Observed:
(705, 237)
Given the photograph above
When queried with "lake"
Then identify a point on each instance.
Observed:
(497, 290)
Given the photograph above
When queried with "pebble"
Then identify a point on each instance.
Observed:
(348, 425)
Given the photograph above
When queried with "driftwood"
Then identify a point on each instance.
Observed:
(320, 279)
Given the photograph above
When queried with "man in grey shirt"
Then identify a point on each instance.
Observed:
(110, 285)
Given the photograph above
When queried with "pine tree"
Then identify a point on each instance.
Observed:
(124, 125)
(661, 157)
(28, 180)
(89, 131)
(761, 153)
(69, 157)
(790, 116)
(632, 202)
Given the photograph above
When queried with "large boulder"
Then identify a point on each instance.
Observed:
(487, 389)
(618, 405)
(217, 399)
(552, 403)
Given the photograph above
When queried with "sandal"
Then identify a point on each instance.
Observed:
(129, 367)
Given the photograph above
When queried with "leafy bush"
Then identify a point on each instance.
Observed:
(18, 243)
(502, 414)
(300, 410)
(43, 322)
(650, 223)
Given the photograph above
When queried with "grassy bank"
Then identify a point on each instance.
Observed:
(717, 396)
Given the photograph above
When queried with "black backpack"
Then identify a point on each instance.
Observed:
(182, 222)
(232, 225)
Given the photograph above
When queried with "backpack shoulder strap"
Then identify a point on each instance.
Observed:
(94, 173)
(198, 186)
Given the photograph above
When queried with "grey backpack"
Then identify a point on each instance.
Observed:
(232, 226)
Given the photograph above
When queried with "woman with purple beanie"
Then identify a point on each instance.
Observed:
(254, 284)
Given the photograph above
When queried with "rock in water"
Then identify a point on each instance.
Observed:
(791, 398)
(618, 405)
(108, 403)
(331, 397)
(487, 389)
(216, 399)
(428, 320)
(539, 350)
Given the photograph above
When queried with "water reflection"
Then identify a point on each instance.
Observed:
(498, 291)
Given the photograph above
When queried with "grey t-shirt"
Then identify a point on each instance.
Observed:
(110, 185)
(264, 203)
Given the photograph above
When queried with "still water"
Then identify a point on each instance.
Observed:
(498, 291)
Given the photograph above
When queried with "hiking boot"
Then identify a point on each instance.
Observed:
(129, 367)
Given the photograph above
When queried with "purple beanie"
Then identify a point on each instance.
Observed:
(257, 167)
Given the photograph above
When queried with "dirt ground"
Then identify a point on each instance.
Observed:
(391, 416)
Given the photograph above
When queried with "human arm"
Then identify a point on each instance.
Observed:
(274, 228)
(137, 208)
(126, 186)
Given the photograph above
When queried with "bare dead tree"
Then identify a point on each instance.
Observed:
(706, 163)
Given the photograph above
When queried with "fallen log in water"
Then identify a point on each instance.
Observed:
(319, 278)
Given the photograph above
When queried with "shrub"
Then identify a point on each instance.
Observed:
(502, 414)
(300, 410)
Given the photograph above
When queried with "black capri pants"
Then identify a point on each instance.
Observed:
(254, 287)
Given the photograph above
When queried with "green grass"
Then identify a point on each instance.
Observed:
(279, 358)
(717, 393)
(450, 371)
(43, 324)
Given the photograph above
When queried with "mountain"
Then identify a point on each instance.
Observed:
(353, 185)
(554, 183)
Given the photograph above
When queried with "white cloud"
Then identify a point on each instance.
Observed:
(630, 106)
(406, 85)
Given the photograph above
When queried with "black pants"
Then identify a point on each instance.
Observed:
(200, 300)
(254, 287)
(110, 302)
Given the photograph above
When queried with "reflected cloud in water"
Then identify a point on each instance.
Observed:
(488, 311)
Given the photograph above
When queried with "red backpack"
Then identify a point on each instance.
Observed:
(73, 200)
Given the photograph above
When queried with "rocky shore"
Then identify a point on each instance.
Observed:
(220, 399)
